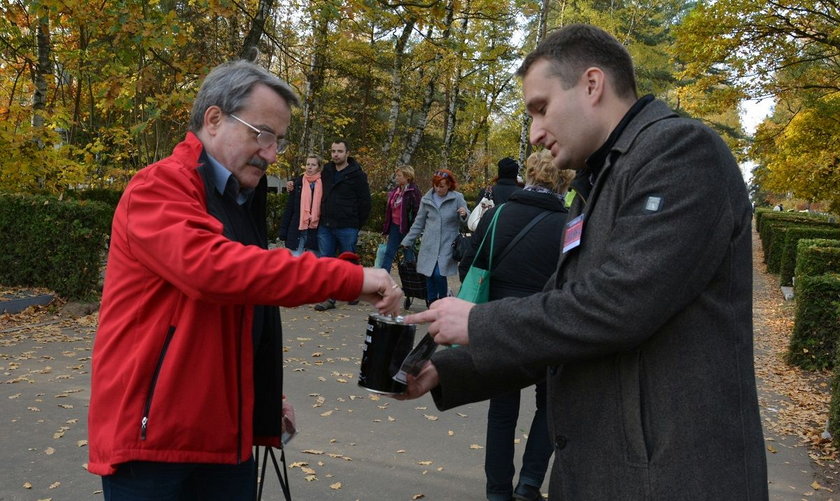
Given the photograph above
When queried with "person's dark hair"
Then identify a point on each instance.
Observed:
(228, 87)
(341, 140)
(576, 47)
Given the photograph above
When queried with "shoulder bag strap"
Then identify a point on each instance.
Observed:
(492, 230)
(542, 215)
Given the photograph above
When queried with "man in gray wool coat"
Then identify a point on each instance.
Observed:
(644, 333)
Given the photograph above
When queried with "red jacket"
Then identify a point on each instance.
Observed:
(173, 358)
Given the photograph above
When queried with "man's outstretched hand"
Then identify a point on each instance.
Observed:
(448, 320)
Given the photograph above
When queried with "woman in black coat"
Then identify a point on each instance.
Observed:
(517, 272)
(299, 226)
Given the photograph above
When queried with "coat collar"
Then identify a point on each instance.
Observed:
(655, 111)
(450, 195)
(352, 166)
(643, 114)
(546, 201)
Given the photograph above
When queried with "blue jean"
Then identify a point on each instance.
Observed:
(394, 239)
(154, 481)
(436, 285)
(334, 241)
(305, 235)
(501, 430)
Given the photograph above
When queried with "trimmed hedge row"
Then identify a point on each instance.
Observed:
(60, 244)
(104, 195)
(773, 234)
(817, 256)
(834, 407)
(792, 236)
(763, 216)
(813, 344)
(54, 244)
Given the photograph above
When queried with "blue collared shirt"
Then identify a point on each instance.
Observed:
(224, 177)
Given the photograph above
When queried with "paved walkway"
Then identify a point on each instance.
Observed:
(352, 445)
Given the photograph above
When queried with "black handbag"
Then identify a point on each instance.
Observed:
(460, 245)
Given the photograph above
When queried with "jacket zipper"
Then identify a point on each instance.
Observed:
(239, 385)
(311, 204)
(145, 421)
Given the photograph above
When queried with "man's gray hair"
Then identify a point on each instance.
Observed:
(229, 85)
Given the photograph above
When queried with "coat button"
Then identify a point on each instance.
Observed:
(559, 442)
(552, 370)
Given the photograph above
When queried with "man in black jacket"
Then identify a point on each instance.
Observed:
(505, 183)
(345, 206)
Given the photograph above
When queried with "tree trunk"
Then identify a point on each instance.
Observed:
(314, 80)
(44, 68)
(524, 142)
(252, 40)
(396, 86)
(452, 96)
(420, 127)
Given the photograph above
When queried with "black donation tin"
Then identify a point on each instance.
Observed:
(387, 342)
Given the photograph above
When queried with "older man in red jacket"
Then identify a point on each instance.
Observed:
(187, 359)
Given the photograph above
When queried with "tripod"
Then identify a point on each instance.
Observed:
(282, 476)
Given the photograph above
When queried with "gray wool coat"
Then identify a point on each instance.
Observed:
(439, 227)
(644, 331)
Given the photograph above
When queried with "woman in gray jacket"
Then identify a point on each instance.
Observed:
(442, 211)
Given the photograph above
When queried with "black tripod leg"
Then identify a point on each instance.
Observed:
(262, 469)
(284, 479)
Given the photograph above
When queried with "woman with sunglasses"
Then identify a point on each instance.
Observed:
(442, 211)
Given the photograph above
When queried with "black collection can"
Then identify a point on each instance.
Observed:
(387, 342)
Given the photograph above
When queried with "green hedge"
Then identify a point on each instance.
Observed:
(110, 197)
(817, 256)
(834, 407)
(275, 205)
(787, 261)
(378, 201)
(54, 244)
(367, 244)
(760, 213)
(764, 216)
(816, 324)
(773, 233)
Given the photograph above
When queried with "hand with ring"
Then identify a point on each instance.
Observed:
(380, 290)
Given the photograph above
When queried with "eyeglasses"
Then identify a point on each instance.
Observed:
(265, 138)
(442, 174)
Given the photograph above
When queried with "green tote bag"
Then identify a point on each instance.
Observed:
(476, 285)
